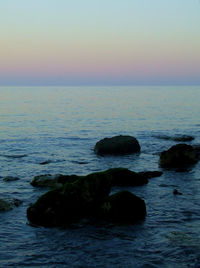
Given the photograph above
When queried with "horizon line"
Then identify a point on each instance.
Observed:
(100, 85)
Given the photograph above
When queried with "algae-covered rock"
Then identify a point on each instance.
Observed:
(48, 180)
(125, 177)
(118, 145)
(70, 202)
(83, 198)
(179, 155)
(123, 207)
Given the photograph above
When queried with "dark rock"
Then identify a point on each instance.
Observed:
(118, 145)
(150, 174)
(46, 180)
(7, 204)
(49, 180)
(83, 197)
(176, 192)
(181, 138)
(197, 150)
(10, 178)
(178, 155)
(71, 202)
(123, 207)
(125, 177)
(45, 162)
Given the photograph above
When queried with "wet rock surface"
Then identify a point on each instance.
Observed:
(123, 207)
(118, 145)
(125, 177)
(179, 155)
(87, 197)
(71, 202)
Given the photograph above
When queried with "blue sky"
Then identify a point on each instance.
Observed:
(100, 42)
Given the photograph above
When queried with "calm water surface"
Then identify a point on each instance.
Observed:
(62, 125)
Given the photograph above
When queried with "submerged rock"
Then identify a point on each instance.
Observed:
(118, 145)
(45, 162)
(176, 192)
(181, 138)
(123, 207)
(48, 180)
(7, 204)
(178, 155)
(10, 178)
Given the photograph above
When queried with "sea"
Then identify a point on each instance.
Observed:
(60, 126)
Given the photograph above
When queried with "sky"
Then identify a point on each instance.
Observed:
(99, 42)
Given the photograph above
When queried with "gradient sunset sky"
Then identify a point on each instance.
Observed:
(99, 42)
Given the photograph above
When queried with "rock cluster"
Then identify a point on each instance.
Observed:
(87, 197)
(73, 197)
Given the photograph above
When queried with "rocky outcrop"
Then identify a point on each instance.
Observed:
(7, 204)
(118, 145)
(87, 197)
(179, 155)
(123, 207)
(71, 202)
(116, 176)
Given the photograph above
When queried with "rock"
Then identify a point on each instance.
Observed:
(150, 174)
(178, 155)
(10, 178)
(181, 138)
(197, 150)
(7, 204)
(115, 176)
(125, 177)
(49, 180)
(123, 207)
(118, 145)
(71, 202)
(45, 162)
(83, 196)
(176, 192)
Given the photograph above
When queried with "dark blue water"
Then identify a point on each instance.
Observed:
(62, 125)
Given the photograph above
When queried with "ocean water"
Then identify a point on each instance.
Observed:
(61, 125)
